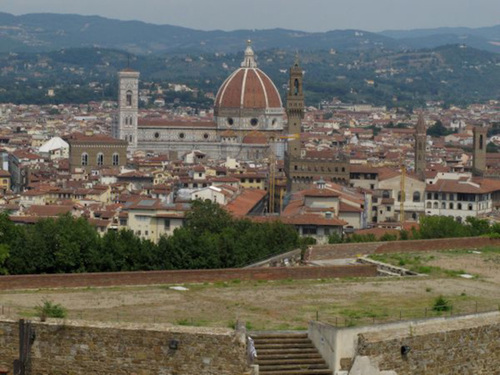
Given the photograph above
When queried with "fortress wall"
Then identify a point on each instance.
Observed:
(62, 348)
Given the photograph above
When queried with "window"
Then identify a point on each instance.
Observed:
(429, 195)
(416, 196)
(436, 195)
(443, 205)
(115, 159)
(205, 136)
(388, 208)
(230, 121)
(296, 87)
(85, 159)
(451, 206)
(254, 122)
(386, 194)
(309, 229)
(429, 205)
(100, 159)
(129, 98)
(181, 135)
(157, 135)
(459, 206)
(435, 206)
(166, 224)
(470, 206)
(481, 141)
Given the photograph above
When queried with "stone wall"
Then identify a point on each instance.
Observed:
(183, 276)
(438, 346)
(62, 348)
(462, 350)
(352, 250)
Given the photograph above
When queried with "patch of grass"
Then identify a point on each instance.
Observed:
(441, 305)
(191, 322)
(49, 309)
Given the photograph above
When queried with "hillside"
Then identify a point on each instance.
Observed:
(46, 32)
(453, 74)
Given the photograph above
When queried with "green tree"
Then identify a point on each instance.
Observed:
(438, 130)
(441, 227)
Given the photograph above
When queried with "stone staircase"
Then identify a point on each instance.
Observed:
(288, 354)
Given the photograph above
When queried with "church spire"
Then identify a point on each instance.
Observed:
(249, 60)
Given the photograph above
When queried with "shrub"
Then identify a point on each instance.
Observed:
(49, 309)
(441, 304)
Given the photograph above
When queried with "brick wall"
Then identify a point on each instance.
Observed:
(438, 244)
(184, 276)
(352, 250)
(461, 351)
(62, 348)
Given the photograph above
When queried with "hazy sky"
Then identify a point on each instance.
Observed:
(309, 15)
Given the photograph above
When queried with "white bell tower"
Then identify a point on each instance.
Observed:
(125, 124)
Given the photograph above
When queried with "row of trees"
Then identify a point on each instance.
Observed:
(430, 227)
(211, 238)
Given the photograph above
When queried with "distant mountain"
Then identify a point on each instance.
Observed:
(45, 32)
(486, 38)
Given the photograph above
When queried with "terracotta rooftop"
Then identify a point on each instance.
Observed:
(245, 202)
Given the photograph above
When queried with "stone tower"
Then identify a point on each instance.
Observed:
(295, 114)
(479, 155)
(420, 145)
(295, 109)
(125, 125)
(303, 167)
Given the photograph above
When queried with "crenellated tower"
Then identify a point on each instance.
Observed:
(303, 167)
(295, 109)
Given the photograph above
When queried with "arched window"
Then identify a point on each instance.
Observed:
(129, 98)
(130, 138)
(429, 205)
(481, 141)
(386, 194)
(459, 206)
(435, 206)
(100, 159)
(296, 87)
(451, 205)
(470, 206)
(443, 205)
(85, 159)
(416, 196)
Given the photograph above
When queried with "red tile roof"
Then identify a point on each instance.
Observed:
(245, 202)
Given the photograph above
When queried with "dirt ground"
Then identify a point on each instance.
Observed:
(283, 304)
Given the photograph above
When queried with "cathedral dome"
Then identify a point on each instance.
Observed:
(248, 88)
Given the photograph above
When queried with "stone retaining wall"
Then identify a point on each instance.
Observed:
(467, 350)
(62, 348)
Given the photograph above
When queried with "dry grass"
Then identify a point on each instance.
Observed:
(283, 304)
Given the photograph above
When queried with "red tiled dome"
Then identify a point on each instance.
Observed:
(248, 88)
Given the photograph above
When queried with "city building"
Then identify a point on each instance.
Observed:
(248, 119)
